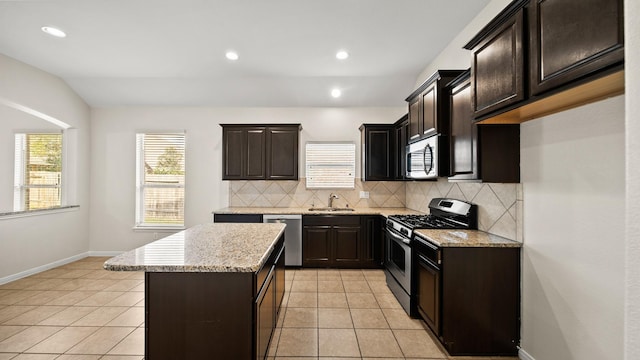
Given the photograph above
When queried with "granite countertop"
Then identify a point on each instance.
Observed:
(465, 238)
(227, 247)
(305, 211)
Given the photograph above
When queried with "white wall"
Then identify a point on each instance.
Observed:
(31, 242)
(572, 170)
(632, 58)
(113, 157)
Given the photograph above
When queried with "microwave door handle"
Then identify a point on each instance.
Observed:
(430, 149)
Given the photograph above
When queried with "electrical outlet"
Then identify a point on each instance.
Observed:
(364, 194)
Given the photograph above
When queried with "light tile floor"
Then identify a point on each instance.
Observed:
(81, 312)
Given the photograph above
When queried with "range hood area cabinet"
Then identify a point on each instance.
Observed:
(542, 56)
(429, 108)
(260, 151)
(490, 153)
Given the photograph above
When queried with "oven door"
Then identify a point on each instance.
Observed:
(398, 259)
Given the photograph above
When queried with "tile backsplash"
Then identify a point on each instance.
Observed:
(289, 193)
(499, 205)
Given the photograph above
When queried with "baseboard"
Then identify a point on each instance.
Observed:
(42, 268)
(104, 253)
(524, 355)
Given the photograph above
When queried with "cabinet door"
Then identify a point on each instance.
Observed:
(255, 154)
(428, 297)
(233, 153)
(279, 281)
(415, 119)
(378, 153)
(464, 135)
(401, 149)
(282, 153)
(265, 317)
(316, 246)
(346, 246)
(430, 110)
(372, 241)
(573, 38)
(497, 69)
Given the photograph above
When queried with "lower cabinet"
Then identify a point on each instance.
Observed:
(341, 241)
(470, 298)
(203, 315)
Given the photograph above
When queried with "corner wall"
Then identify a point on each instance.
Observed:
(33, 242)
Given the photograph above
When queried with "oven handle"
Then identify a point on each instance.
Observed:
(398, 237)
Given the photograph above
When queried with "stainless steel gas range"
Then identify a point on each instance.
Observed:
(443, 214)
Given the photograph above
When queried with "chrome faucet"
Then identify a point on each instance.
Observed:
(331, 197)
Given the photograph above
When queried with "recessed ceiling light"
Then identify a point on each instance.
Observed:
(54, 31)
(336, 93)
(231, 55)
(341, 55)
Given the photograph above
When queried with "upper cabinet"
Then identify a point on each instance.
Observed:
(570, 39)
(497, 66)
(402, 139)
(378, 152)
(542, 56)
(260, 152)
(429, 108)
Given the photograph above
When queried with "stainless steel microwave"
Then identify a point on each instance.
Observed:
(422, 159)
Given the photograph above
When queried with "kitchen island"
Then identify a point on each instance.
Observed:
(211, 291)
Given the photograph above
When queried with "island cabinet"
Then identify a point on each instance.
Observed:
(429, 108)
(260, 152)
(490, 153)
(378, 145)
(213, 291)
(341, 241)
(542, 56)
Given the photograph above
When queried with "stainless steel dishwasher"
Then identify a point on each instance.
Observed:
(292, 237)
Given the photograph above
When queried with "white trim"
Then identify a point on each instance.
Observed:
(524, 355)
(42, 268)
(105, 253)
(21, 214)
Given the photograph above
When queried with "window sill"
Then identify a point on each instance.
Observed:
(54, 210)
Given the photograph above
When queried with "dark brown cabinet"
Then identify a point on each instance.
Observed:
(538, 57)
(372, 241)
(378, 144)
(470, 298)
(207, 315)
(402, 140)
(428, 108)
(497, 62)
(570, 39)
(342, 241)
(490, 153)
(331, 241)
(260, 152)
(237, 218)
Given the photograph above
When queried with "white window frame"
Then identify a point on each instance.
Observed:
(141, 186)
(19, 184)
(330, 165)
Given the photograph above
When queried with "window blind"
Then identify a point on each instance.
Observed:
(330, 165)
(37, 171)
(160, 179)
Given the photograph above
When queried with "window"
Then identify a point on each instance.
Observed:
(38, 171)
(160, 178)
(330, 165)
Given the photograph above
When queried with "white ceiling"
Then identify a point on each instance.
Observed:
(171, 52)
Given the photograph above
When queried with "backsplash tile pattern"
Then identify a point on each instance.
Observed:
(499, 205)
(289, 193)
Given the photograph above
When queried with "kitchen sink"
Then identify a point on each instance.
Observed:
(331, 209)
